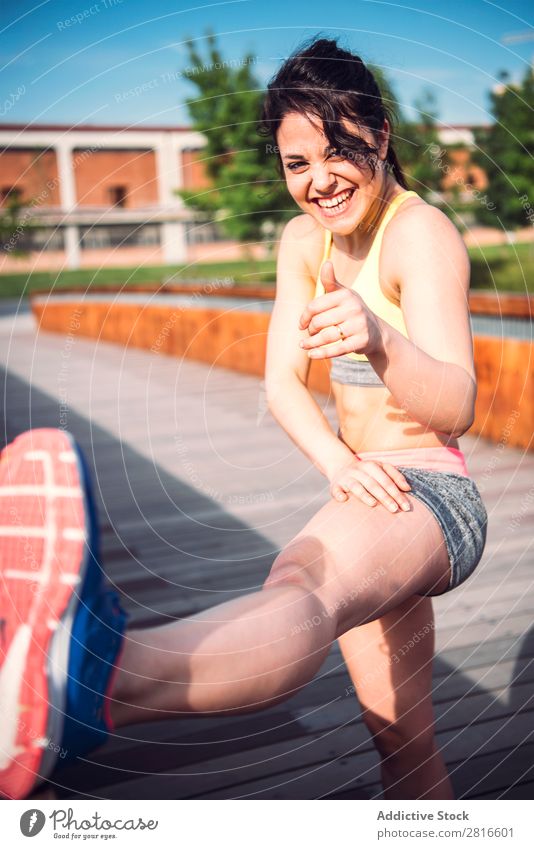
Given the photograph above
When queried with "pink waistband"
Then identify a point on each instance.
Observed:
(438, 459)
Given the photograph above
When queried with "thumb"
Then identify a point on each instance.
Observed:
(328, 278)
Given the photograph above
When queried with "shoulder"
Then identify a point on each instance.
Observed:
(305, 237)
(417, 222)
(420, 234)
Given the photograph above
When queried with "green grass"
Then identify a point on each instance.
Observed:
(241, 272)
(507, 268)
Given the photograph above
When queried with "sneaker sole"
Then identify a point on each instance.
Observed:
(43, 558)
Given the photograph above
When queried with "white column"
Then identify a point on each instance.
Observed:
(67, 195)
(72, 246)
(168, 173)
(173, 241)
(67, 187)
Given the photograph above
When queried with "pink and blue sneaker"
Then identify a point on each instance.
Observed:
(61, 627)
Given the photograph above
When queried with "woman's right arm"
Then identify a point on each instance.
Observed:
(287, 367)
(286, 375)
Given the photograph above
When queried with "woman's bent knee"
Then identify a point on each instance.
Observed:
(288, 572)
(301, 563)
(321, 612)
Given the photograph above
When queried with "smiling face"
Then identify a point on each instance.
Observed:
(334, 190)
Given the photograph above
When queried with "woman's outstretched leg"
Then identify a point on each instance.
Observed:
(240, 656)
(349, 565)
(62, 630)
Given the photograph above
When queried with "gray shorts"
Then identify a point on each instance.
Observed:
(457, 505)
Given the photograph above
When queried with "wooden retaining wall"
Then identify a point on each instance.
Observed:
(237, 340)
(504, 410)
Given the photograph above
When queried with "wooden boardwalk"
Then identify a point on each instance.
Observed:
(198, 489)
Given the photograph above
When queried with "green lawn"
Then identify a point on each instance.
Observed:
(506, 268)
(242, 273)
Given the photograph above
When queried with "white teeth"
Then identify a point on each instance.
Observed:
(330, 202)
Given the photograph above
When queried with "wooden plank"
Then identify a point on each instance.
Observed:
(335, 763)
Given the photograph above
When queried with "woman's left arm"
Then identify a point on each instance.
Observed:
(432, 373)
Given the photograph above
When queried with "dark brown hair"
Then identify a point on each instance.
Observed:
(329, 83)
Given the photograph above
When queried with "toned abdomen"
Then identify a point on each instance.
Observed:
(370, 419)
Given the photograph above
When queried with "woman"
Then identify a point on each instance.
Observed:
(402, 400)
(390, 311)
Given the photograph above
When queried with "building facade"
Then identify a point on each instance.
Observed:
(102, 195)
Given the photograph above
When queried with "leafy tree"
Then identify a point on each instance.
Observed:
(248, 190)
(413, 138)
(414, 144)
(506, 152)
(15, 226)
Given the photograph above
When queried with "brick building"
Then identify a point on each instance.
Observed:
(462, 174)
(106, 195)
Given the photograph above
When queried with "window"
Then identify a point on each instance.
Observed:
(10, 194)
(119, 235)
(39, 239)
(117, 195)
(48, 239)
(198, 232)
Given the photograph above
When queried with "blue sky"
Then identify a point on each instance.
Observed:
(77, 61)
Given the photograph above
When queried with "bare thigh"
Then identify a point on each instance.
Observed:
(364, 561)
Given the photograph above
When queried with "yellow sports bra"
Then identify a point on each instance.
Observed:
(367, 283)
